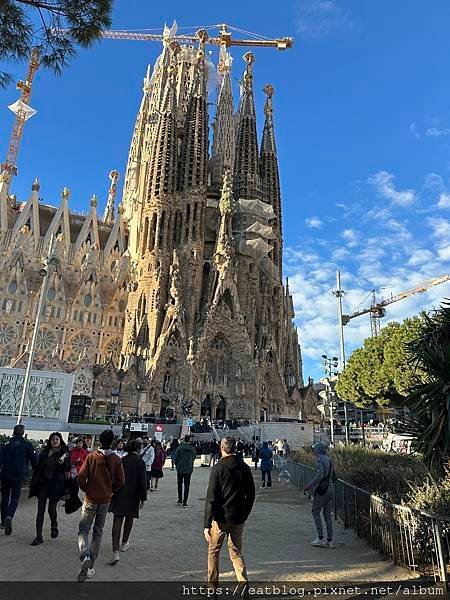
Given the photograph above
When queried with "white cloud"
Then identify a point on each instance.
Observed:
(444, 200)
(437, 131)
(413, 130)
(439, 226)
(351, 237)
(434, 182)
(420, 257)
(341, 254)
(318, 18)
(313, 223)
(384, 184)
(444, 253)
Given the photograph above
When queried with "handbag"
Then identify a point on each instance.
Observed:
(324, 483)
(72, 504)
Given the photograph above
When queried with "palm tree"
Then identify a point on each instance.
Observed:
(429, 401)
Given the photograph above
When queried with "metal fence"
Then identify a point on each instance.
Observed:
(414, 539)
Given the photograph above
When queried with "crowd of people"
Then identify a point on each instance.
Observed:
(117, 476)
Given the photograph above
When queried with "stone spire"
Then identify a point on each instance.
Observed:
(162, 174)
(246, 165)
(136, 153)
(224, 127)
(193, 169)
(270, 178)
(108, 215)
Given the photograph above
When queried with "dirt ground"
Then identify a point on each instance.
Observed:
(167, 543)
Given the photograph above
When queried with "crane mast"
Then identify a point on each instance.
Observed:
(23, 112)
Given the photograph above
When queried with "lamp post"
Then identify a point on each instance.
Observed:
(329, 364)
(50, 262)
(115, 402)
(339, 293)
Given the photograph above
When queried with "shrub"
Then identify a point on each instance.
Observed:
(431, 496)
(376, 471)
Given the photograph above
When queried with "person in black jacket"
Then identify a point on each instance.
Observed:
(16, 457)
(229, 501)
(49, 483)
(127, 500)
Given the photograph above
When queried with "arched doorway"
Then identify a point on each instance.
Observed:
(205, 408)
(221, 410)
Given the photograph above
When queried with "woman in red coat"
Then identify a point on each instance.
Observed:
(157, 465)
(77, 457)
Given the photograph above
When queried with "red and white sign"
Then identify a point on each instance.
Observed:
(159, 428)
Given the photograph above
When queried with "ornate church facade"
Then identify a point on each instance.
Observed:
(178, 294)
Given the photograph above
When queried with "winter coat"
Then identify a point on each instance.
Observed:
(125, 501)
(265, 455)
(185, 456)
(159, 460)
(58, 485)
(77, 457)
(231, 492)
(16, 456)
(101, 475)
(148, 456)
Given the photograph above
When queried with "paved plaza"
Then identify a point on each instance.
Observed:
(167, 543)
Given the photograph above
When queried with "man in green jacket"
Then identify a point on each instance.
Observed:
(185, 456)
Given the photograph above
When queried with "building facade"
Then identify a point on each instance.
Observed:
(178, 294)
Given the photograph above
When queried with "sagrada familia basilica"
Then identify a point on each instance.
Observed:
(177, 294)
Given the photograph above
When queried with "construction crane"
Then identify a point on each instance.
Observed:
(23, 112)
(224, 39)
(377, 310)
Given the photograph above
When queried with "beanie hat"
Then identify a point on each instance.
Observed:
(106, 438)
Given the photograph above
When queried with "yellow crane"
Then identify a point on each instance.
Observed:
(377, 310)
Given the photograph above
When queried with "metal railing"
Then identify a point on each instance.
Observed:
(415, 539)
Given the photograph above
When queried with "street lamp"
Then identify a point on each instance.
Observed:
(329, 366)
(50, 262)
(115, 402)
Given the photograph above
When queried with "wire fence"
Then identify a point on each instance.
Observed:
(415, 539)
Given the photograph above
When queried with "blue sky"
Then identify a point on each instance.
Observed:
(362, 118)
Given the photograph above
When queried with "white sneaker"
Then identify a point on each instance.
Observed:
(90, 573)
(320, 543)
(115, 558)
(331, 545)
(124, 547)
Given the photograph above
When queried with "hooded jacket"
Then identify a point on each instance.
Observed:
(266, 455)
(100, 476)
(185, 456)
(324, 466)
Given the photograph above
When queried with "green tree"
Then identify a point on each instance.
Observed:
(429, 399)
(382, 371)
(27, 24)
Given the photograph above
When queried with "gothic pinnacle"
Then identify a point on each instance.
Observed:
(36, 185)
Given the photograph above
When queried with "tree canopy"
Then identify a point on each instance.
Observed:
(382, 371)
(27, 24)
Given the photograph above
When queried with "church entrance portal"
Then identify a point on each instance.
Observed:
(207, 410)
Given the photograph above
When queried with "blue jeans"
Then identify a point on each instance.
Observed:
(268, 473)
(91, 514)
(10, 498)
(325, 505)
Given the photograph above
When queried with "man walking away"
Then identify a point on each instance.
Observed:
(286, 448)
(229, 501)
(148, 456)
(100, 476)
(322, 486)
(16, 457)
(185, 456)
(266, 455)
(173, 448)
